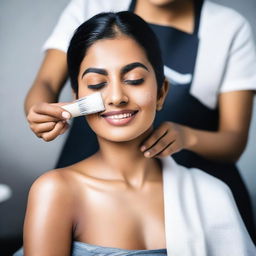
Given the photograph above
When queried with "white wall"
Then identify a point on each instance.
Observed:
(24, 26)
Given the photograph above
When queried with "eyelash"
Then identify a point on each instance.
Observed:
(130, 82)
(97, 86)
(134, 82)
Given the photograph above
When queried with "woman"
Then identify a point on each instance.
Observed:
(211, 68)
(118, 202)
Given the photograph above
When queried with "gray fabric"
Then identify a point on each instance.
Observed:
(83, 249)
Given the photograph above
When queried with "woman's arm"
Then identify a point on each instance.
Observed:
(46, 120)
(227, 144)
(48, 221)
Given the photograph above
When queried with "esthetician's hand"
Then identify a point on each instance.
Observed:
(48, 120)
(166, 139)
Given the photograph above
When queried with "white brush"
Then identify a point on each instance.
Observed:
(87, 105)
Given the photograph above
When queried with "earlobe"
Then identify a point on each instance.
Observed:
(162, 95)
(159, 107)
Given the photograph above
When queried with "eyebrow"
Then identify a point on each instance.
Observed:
(124, 70)
(132, 66)
(95, 70)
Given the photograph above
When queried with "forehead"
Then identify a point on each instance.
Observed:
(107, 53)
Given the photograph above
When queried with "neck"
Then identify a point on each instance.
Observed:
(178, 14)
(125, 161)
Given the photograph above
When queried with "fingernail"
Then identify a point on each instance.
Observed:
(147, 154)
(65, 115)
(143, 148)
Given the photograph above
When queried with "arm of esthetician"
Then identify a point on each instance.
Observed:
(235, 100)
(47, 120)
(226, 144)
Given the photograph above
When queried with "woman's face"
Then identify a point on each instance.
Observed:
(119, 69)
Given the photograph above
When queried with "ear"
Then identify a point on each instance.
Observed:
(162, 95)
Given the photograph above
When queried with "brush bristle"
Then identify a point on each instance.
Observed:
(87, 105)
(91, 104)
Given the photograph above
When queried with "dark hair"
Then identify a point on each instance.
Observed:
(111, 25)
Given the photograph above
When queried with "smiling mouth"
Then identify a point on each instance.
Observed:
(119, 117)
(119, 114)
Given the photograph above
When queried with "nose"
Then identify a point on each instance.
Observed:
(116, 95)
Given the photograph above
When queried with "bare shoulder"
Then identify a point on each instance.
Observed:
(50, 181)
(51, 193)
(50, 214)
(66, 183)
(56, 184)
(63, 181)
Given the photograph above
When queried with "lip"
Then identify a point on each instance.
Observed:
(119, 118)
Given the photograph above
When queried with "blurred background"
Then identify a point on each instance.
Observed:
(24, 27)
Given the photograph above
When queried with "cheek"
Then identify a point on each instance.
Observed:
(145, 98)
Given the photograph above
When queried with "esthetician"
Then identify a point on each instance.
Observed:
(210, 62)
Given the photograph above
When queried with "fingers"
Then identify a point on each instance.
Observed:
(42, 127)
(169, 150)
(59, 128)
(38, 118)
(65, 128)
(164, 141)
(47, 120)
(45, 111)
(163, 147)
(160, 132)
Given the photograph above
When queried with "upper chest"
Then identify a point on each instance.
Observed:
(108, 216)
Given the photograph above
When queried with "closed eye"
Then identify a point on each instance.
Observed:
(96, 86)
(134, 82)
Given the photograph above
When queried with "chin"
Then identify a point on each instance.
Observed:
(125, 135)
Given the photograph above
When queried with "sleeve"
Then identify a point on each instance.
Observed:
(72, 16)
(240, 71)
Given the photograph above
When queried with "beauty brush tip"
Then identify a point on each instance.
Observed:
(87, 105)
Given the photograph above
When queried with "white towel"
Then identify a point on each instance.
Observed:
(201, 217)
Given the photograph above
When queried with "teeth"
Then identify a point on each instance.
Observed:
(120, 116)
